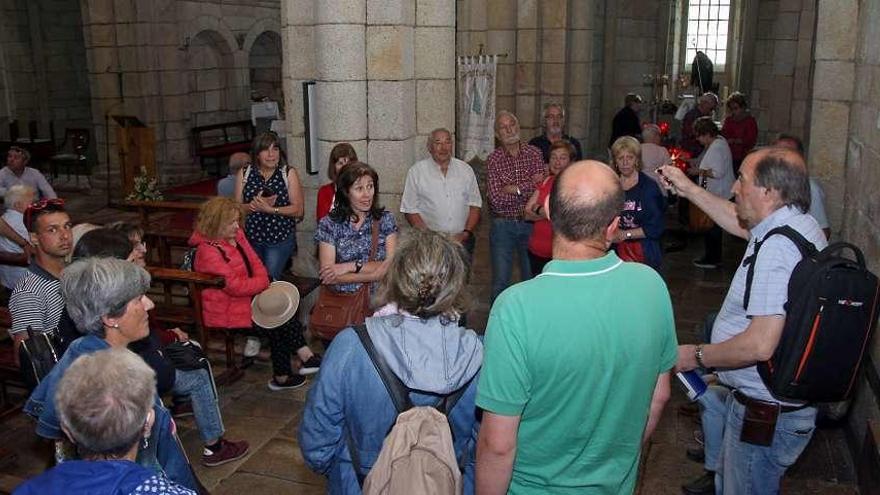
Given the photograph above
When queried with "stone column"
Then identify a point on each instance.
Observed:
(340, 72)
(434, 70)
(833, 86)
(391, 92)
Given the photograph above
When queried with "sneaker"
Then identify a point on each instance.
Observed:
(252, 347)
(181, 410)
(696, 454)
(702, 263)
(311, 366)
(226, 452)
(704, 485)
(293, 381)
(698, 437)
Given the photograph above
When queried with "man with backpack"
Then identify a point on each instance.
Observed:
(751, 434)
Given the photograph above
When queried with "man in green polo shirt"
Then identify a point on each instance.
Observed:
(576, 361)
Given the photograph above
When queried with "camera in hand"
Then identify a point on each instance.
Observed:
(267, 192)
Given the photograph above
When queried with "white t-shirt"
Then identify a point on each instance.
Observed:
(817, 204)
(443, 202)
(718, 159)
(10, 275)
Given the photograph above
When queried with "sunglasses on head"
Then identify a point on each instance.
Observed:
(52, 204)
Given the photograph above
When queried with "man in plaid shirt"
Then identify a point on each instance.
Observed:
(514, 170)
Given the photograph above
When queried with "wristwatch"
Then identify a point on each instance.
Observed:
(698, 353)
(358, 264)
(275, 210)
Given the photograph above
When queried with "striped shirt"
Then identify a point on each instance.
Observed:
(505, 169)
(36, 301)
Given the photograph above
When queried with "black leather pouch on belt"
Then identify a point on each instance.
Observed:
(759, 422)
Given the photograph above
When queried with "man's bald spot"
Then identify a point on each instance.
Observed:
(587, 181)
(238, 161)
(784, 154)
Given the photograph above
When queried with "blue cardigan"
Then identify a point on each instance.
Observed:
(650, 208)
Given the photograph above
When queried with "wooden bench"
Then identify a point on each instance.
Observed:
(213, 144)
(172, 229)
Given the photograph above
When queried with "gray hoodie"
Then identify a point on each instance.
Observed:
(425, 354)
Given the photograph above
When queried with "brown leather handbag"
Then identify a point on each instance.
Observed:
(335, 311)
(698, 220)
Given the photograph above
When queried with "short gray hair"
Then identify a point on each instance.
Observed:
(428, 277)
(650, 130)
(553, 104)
(502, 113)
(103, 401)
(97, 287)
(776, 171)
(15, 194)
(430, 140)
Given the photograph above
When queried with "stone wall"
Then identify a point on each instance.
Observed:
(551, 53)
(853, 50)
(43, 66)
(384, 73)
(781, 67)
(181, 63)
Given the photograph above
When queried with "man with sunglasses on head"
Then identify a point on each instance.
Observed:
(17, 172)
(36, 301)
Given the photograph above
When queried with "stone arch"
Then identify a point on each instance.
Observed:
(264, 67)
(215, 92)
(258, 29)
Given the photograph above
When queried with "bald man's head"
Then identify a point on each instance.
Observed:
(585, 199)
(238, 161)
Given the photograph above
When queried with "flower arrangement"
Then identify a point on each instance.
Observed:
(146, 188)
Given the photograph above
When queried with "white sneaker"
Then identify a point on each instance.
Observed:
(252, 347)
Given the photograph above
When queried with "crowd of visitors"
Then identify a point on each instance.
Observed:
(530, 405)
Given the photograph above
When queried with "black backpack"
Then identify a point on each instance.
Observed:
(830, 315)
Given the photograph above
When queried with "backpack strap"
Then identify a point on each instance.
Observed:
(396, 389)
(804, 246)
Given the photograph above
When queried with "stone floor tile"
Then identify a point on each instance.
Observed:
(253, 484)
(281, 458)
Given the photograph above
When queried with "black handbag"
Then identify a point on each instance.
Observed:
(186, 356)
(38, 355)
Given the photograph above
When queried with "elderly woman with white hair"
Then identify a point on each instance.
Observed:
(107, 300)
(422, 345)
(16, 199)
(105, 404)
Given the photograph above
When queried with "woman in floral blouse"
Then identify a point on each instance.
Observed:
(345, 235)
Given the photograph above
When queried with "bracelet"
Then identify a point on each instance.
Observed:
(698, 353)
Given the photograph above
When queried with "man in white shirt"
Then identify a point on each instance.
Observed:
(16, 172)
(17, 199)
(441, 193)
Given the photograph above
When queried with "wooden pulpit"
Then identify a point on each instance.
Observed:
(136, 144)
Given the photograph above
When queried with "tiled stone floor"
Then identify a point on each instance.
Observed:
(268, 420)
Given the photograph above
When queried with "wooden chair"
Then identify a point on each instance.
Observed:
(72, 156)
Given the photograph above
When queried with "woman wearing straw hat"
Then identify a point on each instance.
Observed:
(222, 249)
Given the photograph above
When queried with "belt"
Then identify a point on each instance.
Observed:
(511, 216)
(759, 404)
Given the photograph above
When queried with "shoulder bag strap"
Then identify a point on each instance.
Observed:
(806, 248)
(374, 246)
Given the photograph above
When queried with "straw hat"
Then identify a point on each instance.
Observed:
(276, 305)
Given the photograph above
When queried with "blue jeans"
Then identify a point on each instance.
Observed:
(743, 468)
(508, 237)
(196, 384)
(275, 256)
